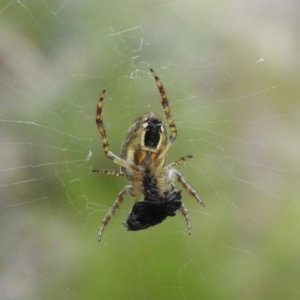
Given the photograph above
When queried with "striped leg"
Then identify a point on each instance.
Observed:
(186, 216)
(178, 162)
(109, 172)
(126, 190)
(187, 187)
(121, 162)
(166, 107)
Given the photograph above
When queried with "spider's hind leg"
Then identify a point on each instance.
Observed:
(126, 190)
(186, 216)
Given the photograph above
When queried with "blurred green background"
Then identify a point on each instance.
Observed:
(231, 72)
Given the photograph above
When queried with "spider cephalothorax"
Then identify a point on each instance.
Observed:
(142, 160)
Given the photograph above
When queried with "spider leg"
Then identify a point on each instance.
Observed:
(178, 162)
(186, 186)
(186, 216)
(109, 172)
(126, 190)
(119, 161)
(166, 107)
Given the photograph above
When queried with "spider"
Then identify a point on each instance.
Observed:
(144, 153)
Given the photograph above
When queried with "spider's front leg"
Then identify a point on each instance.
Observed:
(128, 189)
(100, 125)
(121, 162)
(166, 107)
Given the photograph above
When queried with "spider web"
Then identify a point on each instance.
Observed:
(231, 72)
